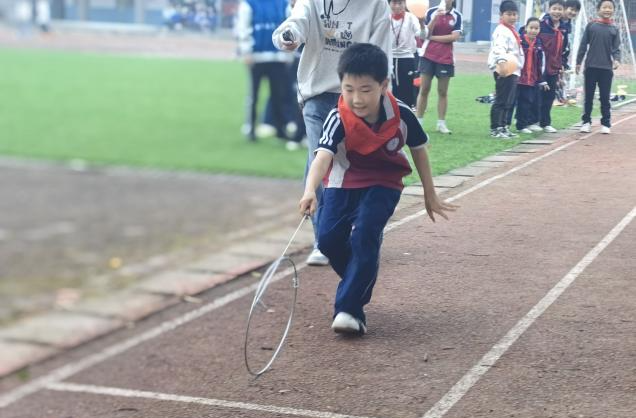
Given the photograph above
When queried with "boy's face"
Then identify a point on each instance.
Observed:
(571, 13)
(362, 94)
(509, 17)
(556, 12)
(397, 6)
(532, 29)
(606, 11)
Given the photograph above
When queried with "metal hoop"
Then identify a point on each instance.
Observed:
(263, 284)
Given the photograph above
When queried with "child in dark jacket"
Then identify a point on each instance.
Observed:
(554, 36)
(601, 44)
(531, 81)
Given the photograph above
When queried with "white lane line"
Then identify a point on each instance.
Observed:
(73, 368)
(491, 357)
(127, 393)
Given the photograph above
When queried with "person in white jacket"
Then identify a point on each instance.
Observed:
(327, 28)
(406, 28)
(504, 48)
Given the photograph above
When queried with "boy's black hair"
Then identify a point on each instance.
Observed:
(364, 59)
(508, 6)
(533, 19)
(575, 4)
(553, 2)
(600, 3)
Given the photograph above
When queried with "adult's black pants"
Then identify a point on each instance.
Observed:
(402, 80)
(275, 73)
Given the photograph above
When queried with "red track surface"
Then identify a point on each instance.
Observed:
(447, 293)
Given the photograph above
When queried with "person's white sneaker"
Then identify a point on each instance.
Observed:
(316, 258)
(292, 146)
(586, 128)
(549, 129)
(345, 323)
(265, 131)
(525, 131)
(443, 129)
(605, 130)
(535, 128)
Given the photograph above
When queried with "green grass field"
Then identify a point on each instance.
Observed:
(183, 114)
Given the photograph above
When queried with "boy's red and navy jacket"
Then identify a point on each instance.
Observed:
(555, 45)
(534, 65)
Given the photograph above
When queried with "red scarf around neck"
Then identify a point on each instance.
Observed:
(398, 16)
(604, 21)
(530, 56)
(559, 36)
(361, 138)
(513, 30)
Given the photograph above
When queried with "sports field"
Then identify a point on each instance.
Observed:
(184, 115)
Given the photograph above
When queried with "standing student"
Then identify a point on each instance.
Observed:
(361, 164)
(554, 36)
(445, 26)
(255, 23)
(505, 45)
(328, 28)
(405, 28)
(572, 9)
(600, 45)
(531, 79)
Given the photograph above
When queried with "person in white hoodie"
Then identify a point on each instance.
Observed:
(327, 28)
(505, 46)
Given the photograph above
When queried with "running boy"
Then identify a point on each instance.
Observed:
(531, 79)
(505, 45)
(361, 164)
(601, 44)
(405, 28)
(327, 29)
(554, 35)
(445, 26)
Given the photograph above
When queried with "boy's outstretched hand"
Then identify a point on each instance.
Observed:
(434, 205)
(307, 204)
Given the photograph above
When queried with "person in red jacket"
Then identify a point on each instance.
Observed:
(554, 36)
(531, 82)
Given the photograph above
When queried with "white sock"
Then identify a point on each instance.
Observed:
(441, 122)
(422, 120)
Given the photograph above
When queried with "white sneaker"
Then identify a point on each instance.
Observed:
(441, 128)
(549, 129)
(265, 131)
(292, 146)
(586, 128)
(344, 323)
(535, 128)
(316, 258)
(509, 133)
(525, 131)
(605, 130)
